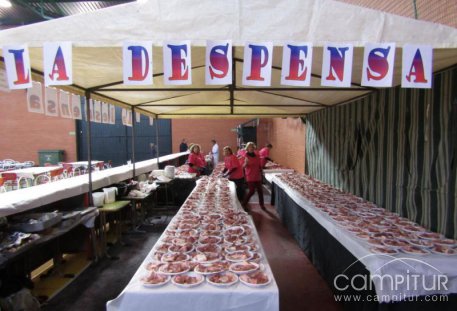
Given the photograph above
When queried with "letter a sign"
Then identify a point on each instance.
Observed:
(417, 66)
(57, 63)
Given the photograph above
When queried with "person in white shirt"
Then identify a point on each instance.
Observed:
(215, 152)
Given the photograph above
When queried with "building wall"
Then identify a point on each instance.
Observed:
(201, 131)
(288, 137)
(24, 133)
(437, 11)
(397, 148)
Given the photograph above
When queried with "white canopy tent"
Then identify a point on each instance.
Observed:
(97, 39)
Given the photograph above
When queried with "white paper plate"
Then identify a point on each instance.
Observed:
(233, 266)
(150, 285)
(196, 269)
(161, 270)
(208, 279)
(254, 285)
(192, 274)
(229, 256)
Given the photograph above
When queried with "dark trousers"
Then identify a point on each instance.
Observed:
(239, 184)
(252, 186)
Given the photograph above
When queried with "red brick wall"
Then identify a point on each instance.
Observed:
(24, 133)
(201, 131)
(288, 139)
(437, 11)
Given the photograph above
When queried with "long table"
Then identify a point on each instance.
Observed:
(32, 172)
(21, 200)
(204, 297)
(340, 257)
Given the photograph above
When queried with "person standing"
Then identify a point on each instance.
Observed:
(195, 161)
(215, 153)
(183, 146)
(233, 171)
(253, 175)
(264, 154)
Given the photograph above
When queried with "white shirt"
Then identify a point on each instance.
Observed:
(215, 152)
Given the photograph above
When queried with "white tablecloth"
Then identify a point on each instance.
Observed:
(430, 266)
(32, 172)
(205, 297)
(17, 201)
(83, 163)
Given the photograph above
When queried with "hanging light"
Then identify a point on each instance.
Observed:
(5, 3)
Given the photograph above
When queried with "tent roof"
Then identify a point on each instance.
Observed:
(97, 38)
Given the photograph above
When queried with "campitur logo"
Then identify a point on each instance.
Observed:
(397, 277)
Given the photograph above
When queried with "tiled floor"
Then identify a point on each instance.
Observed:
(300, 285)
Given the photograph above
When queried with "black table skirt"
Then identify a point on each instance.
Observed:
(331, 258)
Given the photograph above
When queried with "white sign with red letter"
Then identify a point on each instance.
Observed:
(337, 65)
(17, 63)
(76, 106)
(35, 98)
(64, 103)
(57, 63)
(417, 66)
(51, 102)
(137, 63)
(296, 64)
(378, 64)
(258, 59)
(177, 65)
(218, 69)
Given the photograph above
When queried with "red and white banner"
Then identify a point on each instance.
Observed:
(417, 66)
(337, 65)
(105, 113)
(17, 63)
(258, 59)
(112, 114)
(296, 64)
(97, 111)
(76, 107)
(91, 108)
(378, 64)
(35, 98)
(137, 63)
(51, 102)
(218, 69)
(177, 65)
(58, 69)
(65, 106)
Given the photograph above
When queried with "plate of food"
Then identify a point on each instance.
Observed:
(210, 240)
(155, 280)
(414, 250)
(206, 257)
(174, 257)
(445, 242)
(243, 267)
(184, 240)
(443, 250)
(421, 242)
(211, 268)
(383, 250)
(429, 235)
(234, 230)
(223, 279)
(255, 279)
(234, 239)
(239, 256)
(174, 268)
(395, 243)
(163, 248)
(186, 248)
(187, 280)
(154, 265)
(209, 248)
(234, 248)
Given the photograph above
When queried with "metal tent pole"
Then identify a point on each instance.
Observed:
(133, 139)
(89, 145)
(157, 141)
